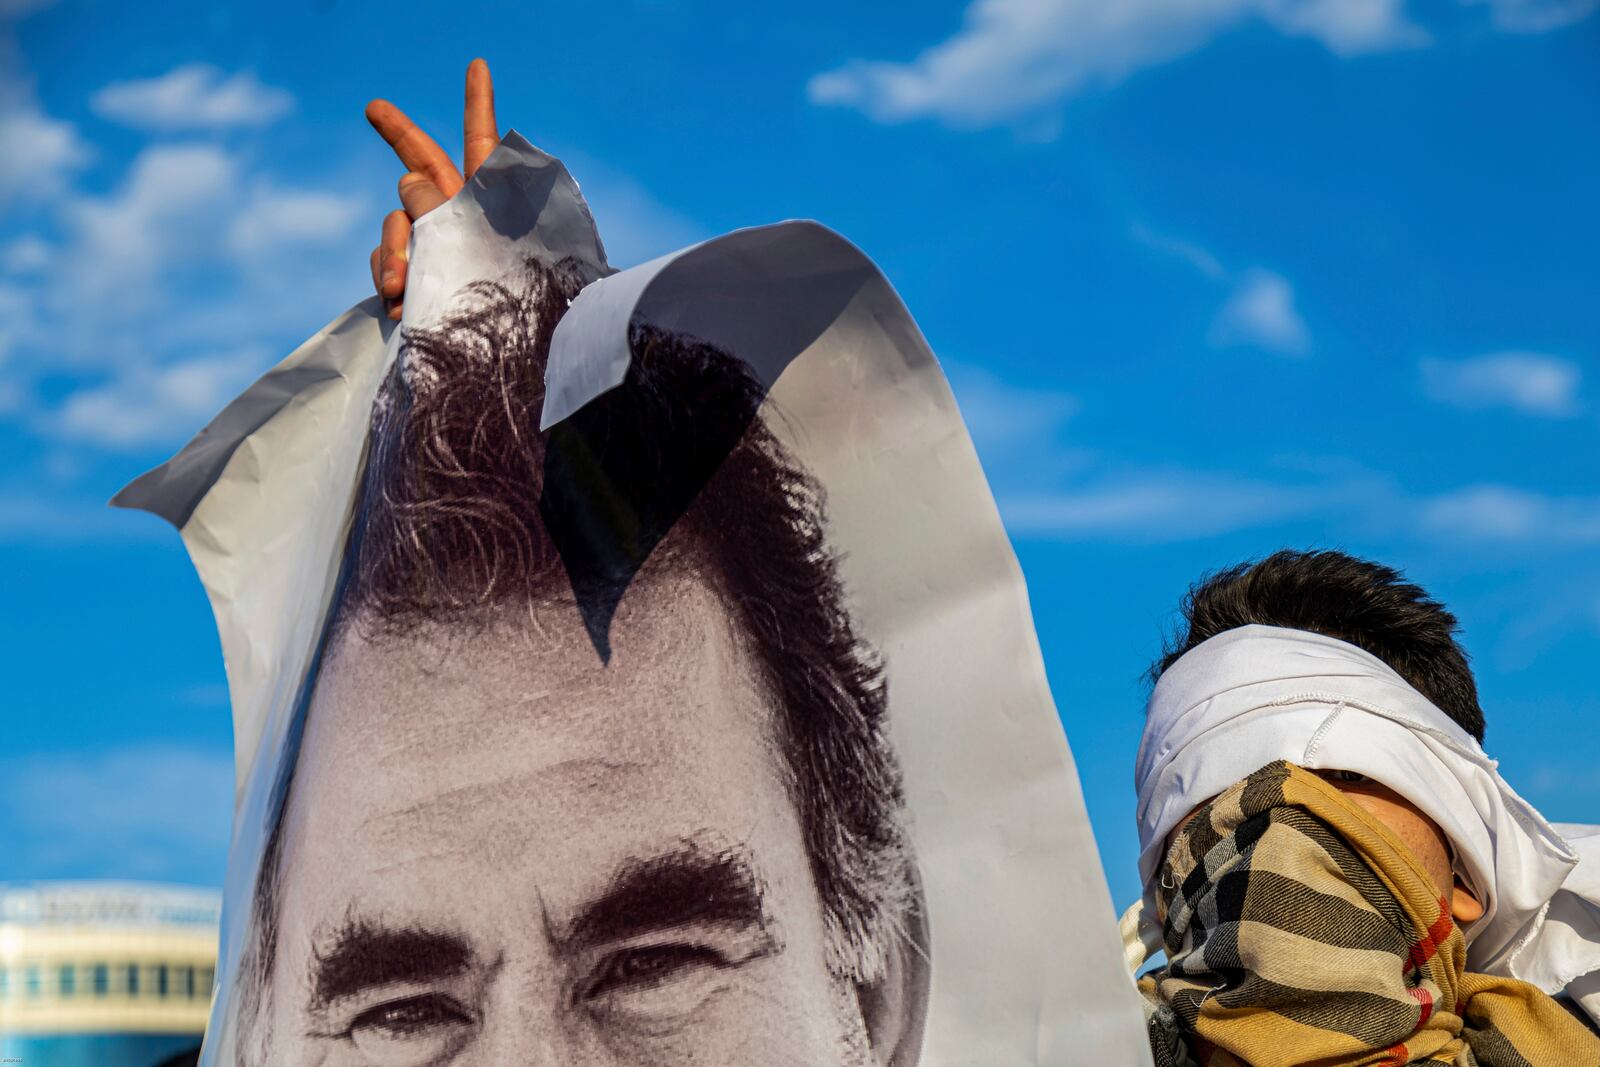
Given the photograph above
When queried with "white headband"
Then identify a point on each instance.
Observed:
(1257, 694)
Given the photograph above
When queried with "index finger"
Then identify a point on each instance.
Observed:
(416, 149)
(481, 136)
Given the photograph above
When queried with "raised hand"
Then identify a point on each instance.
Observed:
(431, 176)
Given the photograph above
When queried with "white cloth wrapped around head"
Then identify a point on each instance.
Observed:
(1257, 694)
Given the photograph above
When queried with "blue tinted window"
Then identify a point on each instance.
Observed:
(161, 980)
(133, 979)
(35, 982)
(102, 979)
(183, 982)
(68, 980)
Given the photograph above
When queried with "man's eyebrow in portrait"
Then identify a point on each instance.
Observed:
(364, 955)
(692, 884)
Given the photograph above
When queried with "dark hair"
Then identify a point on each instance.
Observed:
(454, 523)
(1337, 595)
(457, 519)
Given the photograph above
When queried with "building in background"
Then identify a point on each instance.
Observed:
(105, 974)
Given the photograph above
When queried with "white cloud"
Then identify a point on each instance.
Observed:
(1261, 313)
(1537, 16)
(170, 208)
(1174, 505)
(37, 153)
(1563, 780)
(1003, 417)
(17, 9)
(278, 217)
(1162, 507)
(16, 319)
(25, 255)
(188, 254)
(193, 254)
(1013, 58)
(142, 811)
(1345, 27)
(1203, 262)
(43, 514)
(1507, 514)
(1529, 382)
(195, 96)
(203, 695)
(152, 405)
(165, 293)
(633, 224)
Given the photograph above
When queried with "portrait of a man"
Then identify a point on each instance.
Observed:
(593, 768)
(631, 668)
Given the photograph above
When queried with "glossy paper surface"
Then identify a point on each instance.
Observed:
(633, 669)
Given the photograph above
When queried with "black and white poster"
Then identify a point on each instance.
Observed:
(632, 669)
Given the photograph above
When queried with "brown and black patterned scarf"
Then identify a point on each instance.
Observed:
(1299, 931)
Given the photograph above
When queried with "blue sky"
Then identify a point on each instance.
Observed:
(1209, 278)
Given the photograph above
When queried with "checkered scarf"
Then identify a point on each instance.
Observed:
(1299, 930)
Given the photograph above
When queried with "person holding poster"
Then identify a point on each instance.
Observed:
(630, 668)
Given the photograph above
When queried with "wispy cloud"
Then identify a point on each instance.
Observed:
(1259, 310)
(17, 9)
(26, 255)
(171, 207)
(116, 302)
(1203, 262)
(1529, 382)
(1261, 313)
(144, 811)
(275, 218)
(203, 695)
(16, 317)
(1566, 781)
(1173, 505)
(33, 516)
(146, 304)
(635, 226)
(1159, 507)
(1014, 58)
(1537, 16)
(195, 96)
(1508, 514)
(154, 405)
(1002, 416)
(38, 153)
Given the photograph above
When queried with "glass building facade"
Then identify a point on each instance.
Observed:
(105, 975)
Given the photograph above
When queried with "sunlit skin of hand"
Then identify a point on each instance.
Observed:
(431, 176)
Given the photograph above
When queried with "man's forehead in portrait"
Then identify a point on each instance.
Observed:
(506, 837)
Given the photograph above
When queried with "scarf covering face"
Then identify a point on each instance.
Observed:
(1300, 930)
(1258, 694)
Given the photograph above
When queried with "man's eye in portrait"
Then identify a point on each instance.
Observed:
(393, 997)
(417, 1030)
(655, 988)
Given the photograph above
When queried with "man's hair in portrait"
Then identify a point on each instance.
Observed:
(449, 530)
(1357, 601)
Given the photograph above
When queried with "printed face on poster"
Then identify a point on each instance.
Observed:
(631, 668)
